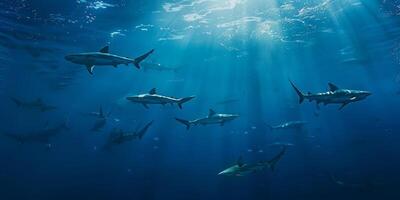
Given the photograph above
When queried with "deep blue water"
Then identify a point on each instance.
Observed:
(240, 51)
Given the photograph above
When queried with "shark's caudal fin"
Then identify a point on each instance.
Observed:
(184, 122)
(276, 159)
(139, 59)
(301, 95)
(184, 100)
(16, 101)
(144, 130)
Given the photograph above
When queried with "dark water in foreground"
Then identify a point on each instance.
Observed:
(235, 56)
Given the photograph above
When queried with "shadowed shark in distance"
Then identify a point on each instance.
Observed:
(100, 122)
(118, 136)
(212, 118)
(241, 169)
(333, 96)
(158, 67)
(102, 58)
(42, 136)
(153, 98)
(36, 104)
(288, 125)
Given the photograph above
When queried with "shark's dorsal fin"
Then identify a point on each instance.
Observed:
(211, 112)
(104, 49)
(333, 87)
(239, 161)
(153, 91)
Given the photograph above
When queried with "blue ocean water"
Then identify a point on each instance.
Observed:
(235, 56)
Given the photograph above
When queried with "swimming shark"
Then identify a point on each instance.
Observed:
(118, 136)
(212, 118)
(42, 136)
(103, 57)
(333, 96)
(241, 169)
(153, 98)
(288, 125)
(100, 122)
(36, 104)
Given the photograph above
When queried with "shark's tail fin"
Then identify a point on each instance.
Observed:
(184, 100)
(271, 163)
(139, 59)
(184, 122)
(16, 101)
(144, 130)
(301, 95)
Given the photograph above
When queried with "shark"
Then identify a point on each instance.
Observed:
(153, 98)
(100, 122)
(37, 104)
(118, 136)
(242, 169)
(211, 118)
(42, 136)
(104, 58)
(335, 95)
(288, 125)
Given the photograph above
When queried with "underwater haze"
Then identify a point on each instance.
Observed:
(199, 99)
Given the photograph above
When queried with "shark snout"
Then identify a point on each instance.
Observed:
(133, 98)
(365, 94)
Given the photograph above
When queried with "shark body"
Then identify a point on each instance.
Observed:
(288, 125)
(153, 98)
(104, 58)
(42, 136)
(241, 169)
(212, 118)
(37, 104)
(333, 96)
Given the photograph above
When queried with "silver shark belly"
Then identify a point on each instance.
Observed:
(156, 99)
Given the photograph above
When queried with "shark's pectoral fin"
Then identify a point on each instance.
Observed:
(353, 98)
(145, 105)
(90, 69)
(343, 105)
(115, 66)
